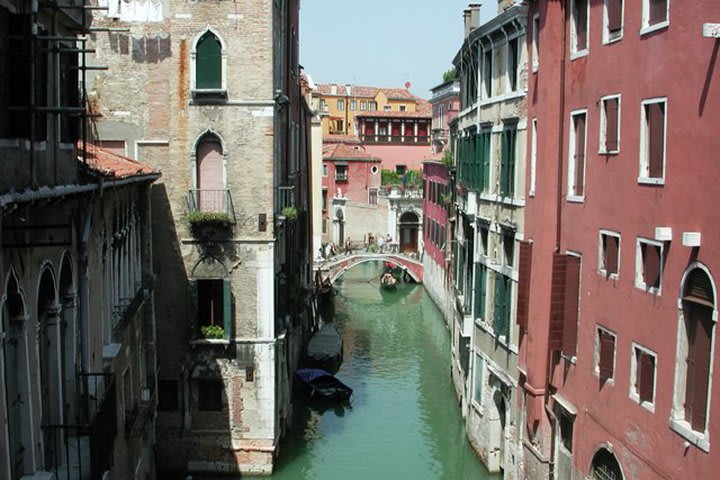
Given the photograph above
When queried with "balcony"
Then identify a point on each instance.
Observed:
(210, 206)
(137, 418)
(286, 198)
(396, 139)
(341, 176)
(85, 450)
(127, 307)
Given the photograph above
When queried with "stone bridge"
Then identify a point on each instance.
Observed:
(334, 267)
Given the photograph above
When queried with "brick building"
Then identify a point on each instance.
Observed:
(217, 105)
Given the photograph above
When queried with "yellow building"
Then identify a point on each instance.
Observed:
(340, 103)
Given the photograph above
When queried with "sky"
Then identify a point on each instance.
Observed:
(383, 43)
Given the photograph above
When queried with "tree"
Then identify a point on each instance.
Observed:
(449, 75)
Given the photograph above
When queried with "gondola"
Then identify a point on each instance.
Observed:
(325, 348)
(321, 385)
(388, 281)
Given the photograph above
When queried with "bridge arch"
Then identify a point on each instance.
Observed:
(413, 268)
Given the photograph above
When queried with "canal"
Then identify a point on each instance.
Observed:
(404, 421)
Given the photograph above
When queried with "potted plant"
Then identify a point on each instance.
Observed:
(212, 332)
(291, 213)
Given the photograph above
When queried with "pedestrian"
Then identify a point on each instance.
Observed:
(381, 243)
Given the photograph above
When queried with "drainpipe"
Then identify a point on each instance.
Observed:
(553, 446)
(561, 130)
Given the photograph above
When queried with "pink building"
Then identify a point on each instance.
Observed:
(618, 350)
(445, 103)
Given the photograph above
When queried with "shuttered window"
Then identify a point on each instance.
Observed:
(572, 304)
(512, 63)
(208, 63)
(657, 11)
(210, 304)
(557, 300)
(580, 10)
(503, 290)
(656, 139)
(487, 73)
(610, 249)
(478, 379)
(480, 290)
(507, 162)
(524, 271)
(606, 360)
(651, 264)
(611, 112)
(644, 375)
(614, 15)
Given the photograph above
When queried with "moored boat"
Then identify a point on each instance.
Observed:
(320, 384)
(388, 281)
(325, 348)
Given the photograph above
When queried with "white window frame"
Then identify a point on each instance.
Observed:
(323, 105)
(223, 64)
(644, 154)
(353, 105)
(487, 94)
(603, 124)
(606, 35)
(634, 394)
(678, 423)
(574, 53)
(341, 105)
(363, 105)
(646, 28)
(571, 196)
(533, 156)
(640, 266)
(601, 253)
(535, 40)
(324, 170)
(376, 195)
(596, 362)
(477, 402)
(508, 87)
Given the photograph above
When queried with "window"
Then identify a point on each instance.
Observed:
(372, 105)
(579, 28)
(353, 105)
(571, 305)
(209, 63)
(168, 396)
(211, 306)
(387, 108)
(325, 169)
(363, 105)
(341, 172)
(477, 393)
(402, 108)
(655, 15)
(400, 170)
(613, 20)
(566, 421)
(576, 160)
(323, 105)
(690, 414)
(513, 55)
(480, 291)
(487, 73)
(483, 229)
(507, 162)
(536, 42)
(604, 354)
(324, 198)
(642, 376)
(652, 141)
(533, 156)
(609, 253)
(341, 105)
(610, 125)
(649, 265)
(503, 306)
(372, 196)
(508, 245)
(210, 393)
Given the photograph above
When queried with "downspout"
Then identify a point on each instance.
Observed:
(553, 441)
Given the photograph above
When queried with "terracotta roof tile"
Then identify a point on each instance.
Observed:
(338, 138)
(341, 90)
(340, 151)
(110, 165)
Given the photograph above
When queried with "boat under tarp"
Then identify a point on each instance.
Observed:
(322, 385)
(326, 347)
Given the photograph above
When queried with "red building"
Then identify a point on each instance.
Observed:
(618, 351)
(445, 103)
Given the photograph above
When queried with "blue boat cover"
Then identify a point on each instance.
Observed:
(310, 374)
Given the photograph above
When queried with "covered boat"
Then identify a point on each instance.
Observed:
(320, 384)
(326, 347)
(388, 281)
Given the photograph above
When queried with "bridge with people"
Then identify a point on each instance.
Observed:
(333, 267)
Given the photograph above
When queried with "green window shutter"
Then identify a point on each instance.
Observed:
(192, 303)
(480, 290)
(500, 306)
(227, 308)
(208, 66)
(486, 162)
(508, 306)
(504, 163)
(511, 161)
(478, 379)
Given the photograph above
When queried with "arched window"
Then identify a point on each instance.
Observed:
(209, 174)
(695, 339)
(209, 63)
(605, 466)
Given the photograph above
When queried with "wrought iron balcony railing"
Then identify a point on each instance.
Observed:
(286, 197)
(341, 177)
(85, 450)
(127, 307)
(211, 201)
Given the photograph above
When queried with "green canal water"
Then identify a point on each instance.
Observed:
(404, 421)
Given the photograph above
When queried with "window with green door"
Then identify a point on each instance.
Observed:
(208, 63)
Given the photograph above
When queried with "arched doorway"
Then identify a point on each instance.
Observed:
(209, 175)
(49, 361)
(409, 225)
(70, 336)
(15, 377)
(340, 221)
(605, 466)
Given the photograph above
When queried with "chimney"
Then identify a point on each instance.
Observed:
(474, 15)
(348, 89)
(466, 22)
(333, 89)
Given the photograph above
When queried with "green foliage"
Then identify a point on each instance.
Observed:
(199, 217)
(413, 178)
(212, 331)
(447, 158)
(449, 75)
(291, 213)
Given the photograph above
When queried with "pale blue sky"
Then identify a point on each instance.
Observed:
(383, 43)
